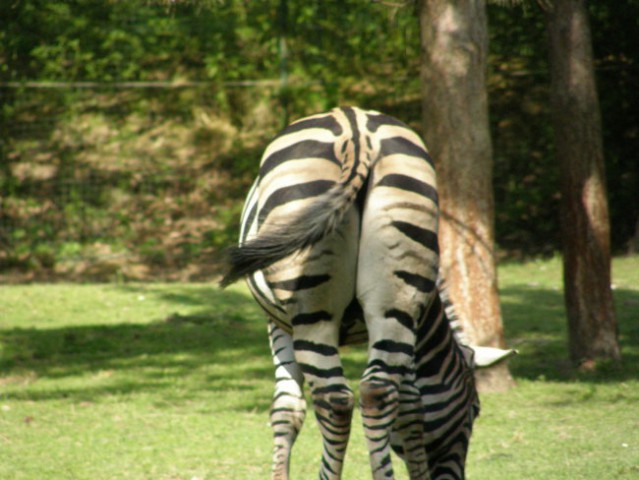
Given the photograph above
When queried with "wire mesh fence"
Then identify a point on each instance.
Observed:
(129, 133)
(132, 180)
(94, 186)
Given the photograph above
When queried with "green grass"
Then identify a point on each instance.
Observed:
(173, 381)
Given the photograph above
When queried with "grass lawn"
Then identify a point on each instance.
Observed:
(173, 381)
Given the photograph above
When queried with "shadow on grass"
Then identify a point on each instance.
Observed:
(221, 347)
(535, 323)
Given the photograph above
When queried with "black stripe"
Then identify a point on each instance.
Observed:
(434, 335)
(334, 388)
(280, 422)
(385, 461)
(402, 317)
(410, 184)
(422, 284)
(282, 410)
(434, 364)
(310, 318)
(300, 283)
(282, 395)
(299, 151)
(434, 327)
(278, 350)
(248, 221)
(391, 346)
(325, 463)
(299, 191)
(375, 121)
(448, 437)
(456, 364)
(352, 120)
(262, 299)
(379, 365)
(434, 311)
(394, 145)
(453, 406)
(329, 122)
(310, 281)
(321, 372)
(444, 471)
(319, 348)
(423, 236)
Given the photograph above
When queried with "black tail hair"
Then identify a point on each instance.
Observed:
(278, 241)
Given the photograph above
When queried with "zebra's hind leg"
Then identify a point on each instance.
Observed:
(289, 407)
(390, 401)
(316, 352)
(315, 287)
(392, 413)
(396, 276)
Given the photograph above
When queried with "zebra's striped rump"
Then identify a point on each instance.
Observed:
(339, 245)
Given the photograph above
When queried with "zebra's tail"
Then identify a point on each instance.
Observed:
(312, 224)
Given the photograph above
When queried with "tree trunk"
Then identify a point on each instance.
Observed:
(454, 43)
(584, 207)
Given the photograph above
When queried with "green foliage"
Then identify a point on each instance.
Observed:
(525, 178)
(160, 173)
(174, 381)
(133, 171)
(526, 174)
(616, 36)
(116, 41)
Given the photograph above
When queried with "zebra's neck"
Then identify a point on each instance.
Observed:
(439, 356)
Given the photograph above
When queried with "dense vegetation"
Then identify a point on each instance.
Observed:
(130, 150)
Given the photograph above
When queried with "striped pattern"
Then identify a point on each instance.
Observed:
(339, 246)
(289, 407)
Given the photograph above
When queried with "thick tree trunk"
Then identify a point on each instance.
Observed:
(454, 42)
(584, 207)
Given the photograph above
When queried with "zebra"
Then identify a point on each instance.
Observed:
(339, 246)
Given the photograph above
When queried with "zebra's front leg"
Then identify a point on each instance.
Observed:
(408, 438)
(289, 407)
